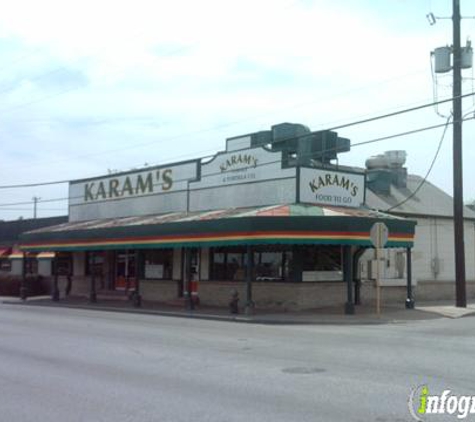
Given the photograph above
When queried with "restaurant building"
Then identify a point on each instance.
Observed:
(273, 218)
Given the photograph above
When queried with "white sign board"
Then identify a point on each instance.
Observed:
(141, 192)
(153, 271)
(244, 166)
(329, 187)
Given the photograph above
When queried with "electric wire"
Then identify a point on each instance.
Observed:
(380, 139)
(307, 135)
(424, 180)
(195, 132)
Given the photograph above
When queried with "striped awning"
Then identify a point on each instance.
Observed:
(4, 251)
(278, 224)
(18, 254)
(46, 255)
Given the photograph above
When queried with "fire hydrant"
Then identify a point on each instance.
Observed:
(233, 302)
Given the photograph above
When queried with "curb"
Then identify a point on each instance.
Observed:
(259, 320)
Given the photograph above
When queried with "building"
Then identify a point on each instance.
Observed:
(11, 261)
(273, 217)
(392, 190)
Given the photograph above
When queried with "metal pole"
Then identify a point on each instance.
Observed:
(249, 267)
(460, 285)
(378, 281)
(409, 299)
(23, 287)
(55, 296)
(92, 293)
(35, 203)
(187, 276)
(137, 295)
(348, 275)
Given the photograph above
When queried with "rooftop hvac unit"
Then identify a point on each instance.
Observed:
(396, 158)
(442, 59)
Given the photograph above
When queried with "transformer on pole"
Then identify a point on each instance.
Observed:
(446, 59)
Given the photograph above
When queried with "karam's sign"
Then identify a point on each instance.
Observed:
(238, 167)
(133, 184)
(252, 165)
(332, 187)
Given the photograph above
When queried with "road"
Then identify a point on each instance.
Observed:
(59, 364)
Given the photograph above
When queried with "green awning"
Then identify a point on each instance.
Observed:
(278, 224)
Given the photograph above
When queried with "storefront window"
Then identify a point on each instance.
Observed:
(158, 264)
(64, 263)
(322, 263)
(31, 265)
(97, 266)
(270, 263)
(5, 265)
(227, 263)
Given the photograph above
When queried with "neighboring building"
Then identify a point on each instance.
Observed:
(273, 216)
(392, 190)
(11, 259)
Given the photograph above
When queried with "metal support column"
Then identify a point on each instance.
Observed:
(137, 295)
(55, 293)
(356, 276)
(249, 270)
(92, 292)
(348, 277)
(23, 287)
(189, 305)
(409, 299)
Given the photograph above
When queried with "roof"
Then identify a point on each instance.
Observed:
(277, 224)
(428, 201)
(11, 230)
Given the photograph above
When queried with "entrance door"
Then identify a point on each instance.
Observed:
(125, 270)
(192, 278)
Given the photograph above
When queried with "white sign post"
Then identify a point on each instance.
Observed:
(379, 237)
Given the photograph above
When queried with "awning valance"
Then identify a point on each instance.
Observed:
(46, 255)
(18, 254)
(278, 224)
(4, 251)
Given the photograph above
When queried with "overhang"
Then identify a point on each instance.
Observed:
(278, 224)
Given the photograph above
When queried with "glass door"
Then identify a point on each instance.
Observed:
(125, 270)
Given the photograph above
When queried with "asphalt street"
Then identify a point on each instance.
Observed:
(59, 364)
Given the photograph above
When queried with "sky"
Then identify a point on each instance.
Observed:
(96, 86)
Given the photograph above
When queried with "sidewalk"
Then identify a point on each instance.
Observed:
(364, 314)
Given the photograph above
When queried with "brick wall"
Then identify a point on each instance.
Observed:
(159, 290)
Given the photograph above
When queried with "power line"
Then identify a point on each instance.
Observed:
(380, 139)
(384, 116)
(29, 185)
(221, 126)
(423, 181)
(407, 110)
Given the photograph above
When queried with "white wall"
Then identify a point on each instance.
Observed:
(433, 256)
(44, 267)
(79, 263)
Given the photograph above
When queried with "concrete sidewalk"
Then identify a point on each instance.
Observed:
(364, 314)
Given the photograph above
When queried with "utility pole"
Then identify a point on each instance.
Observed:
(35, 203)
(461, 59)
(460, 283)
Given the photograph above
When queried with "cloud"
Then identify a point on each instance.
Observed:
(154, 80)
